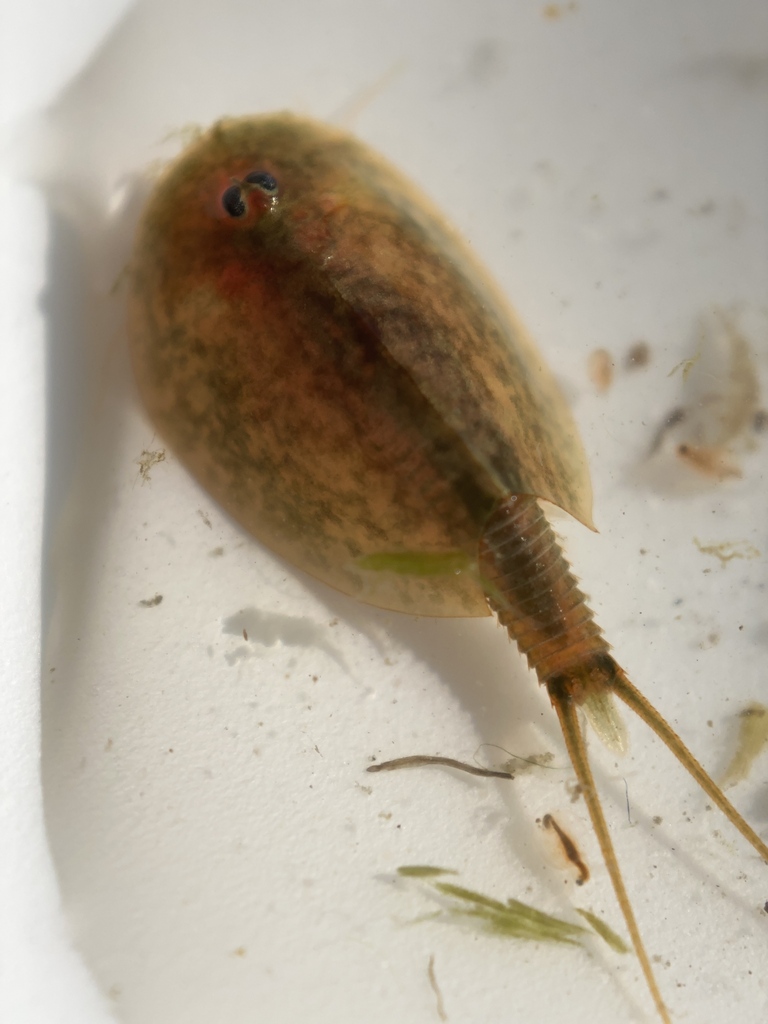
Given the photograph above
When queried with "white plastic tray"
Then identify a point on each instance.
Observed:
(219, 851)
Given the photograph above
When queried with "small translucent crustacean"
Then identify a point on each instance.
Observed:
(714, 424)
(328, 359)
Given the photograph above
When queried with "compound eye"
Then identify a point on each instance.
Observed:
(262, 180)
(232, 201)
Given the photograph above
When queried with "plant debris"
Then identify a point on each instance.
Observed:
(147, 460)
(570, 849)
(752, 740)
(512, 919)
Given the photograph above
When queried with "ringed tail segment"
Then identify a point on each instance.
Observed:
(534, 594)
(531, 589)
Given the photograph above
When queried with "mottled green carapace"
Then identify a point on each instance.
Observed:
(331, 363)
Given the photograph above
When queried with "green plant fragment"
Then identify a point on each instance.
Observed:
(512, 919)
(606, 933)
(753, 738)
(423, 871)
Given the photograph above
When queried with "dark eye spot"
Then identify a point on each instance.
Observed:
(233, 202)
(263, 180)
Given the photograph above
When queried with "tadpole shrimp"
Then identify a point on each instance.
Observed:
(328, 359)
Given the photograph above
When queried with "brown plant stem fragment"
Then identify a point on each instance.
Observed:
(436, 988)
(570, 849)
(420, 760)
(752, 740)
(600, 368)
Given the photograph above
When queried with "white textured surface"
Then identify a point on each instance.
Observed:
(35, 943)
(218, 856)
(42, 978)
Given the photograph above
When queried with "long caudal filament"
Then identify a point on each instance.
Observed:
(531, 589)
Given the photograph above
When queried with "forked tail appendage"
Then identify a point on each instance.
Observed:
(530, 587)
(567, 713)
